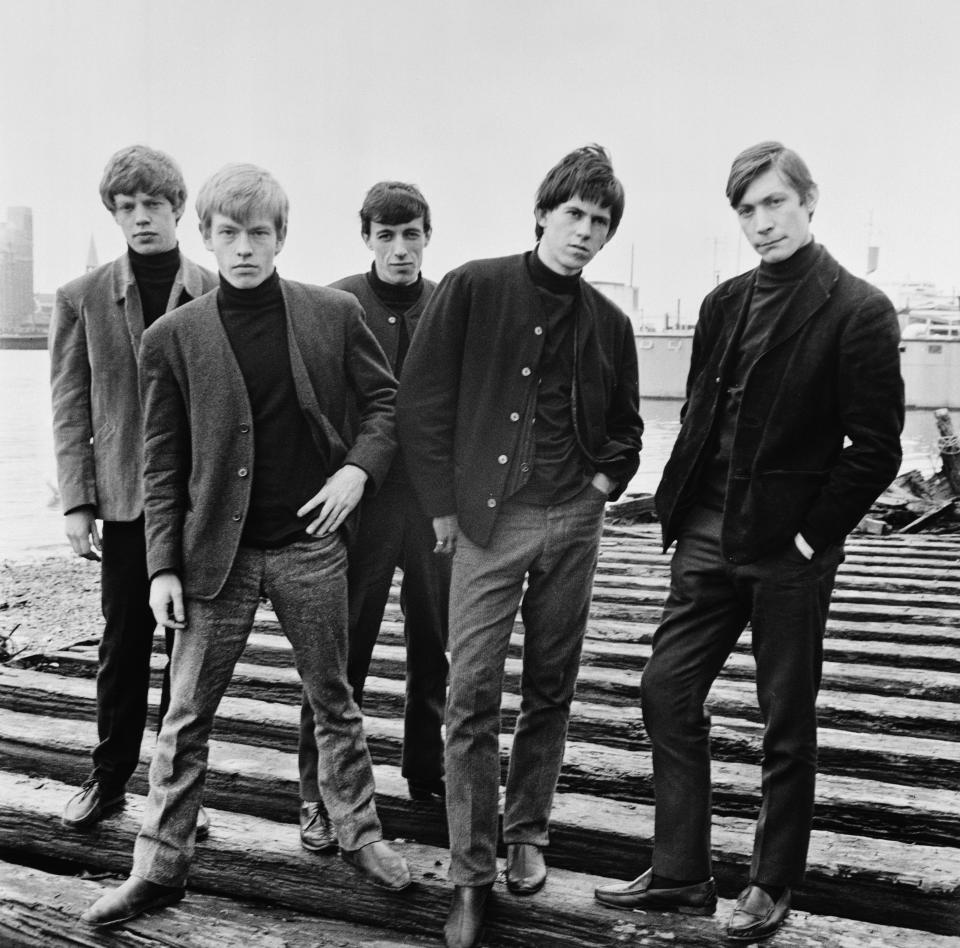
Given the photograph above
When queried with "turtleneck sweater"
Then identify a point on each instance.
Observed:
(155, 273)
(398, 298)
(288, 468)
(555, 466)
(772, 291)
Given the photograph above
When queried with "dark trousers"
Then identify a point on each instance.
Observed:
(785, 598)
(123, 676)
(393, 532)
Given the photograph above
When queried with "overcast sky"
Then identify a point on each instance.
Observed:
(475, 101)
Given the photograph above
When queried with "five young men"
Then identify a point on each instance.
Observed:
(268, 411)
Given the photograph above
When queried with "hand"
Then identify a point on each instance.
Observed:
(166, 601)
(603, 483)
(340, 494)
(81, 529)
(446, 530)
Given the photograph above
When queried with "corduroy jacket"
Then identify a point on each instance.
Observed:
(199, 427)
(94, 341)
(817, 437)
(472, 366)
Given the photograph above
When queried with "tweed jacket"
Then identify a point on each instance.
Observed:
(199, 425)
(817, 437)
(97, 424)
(471, 368)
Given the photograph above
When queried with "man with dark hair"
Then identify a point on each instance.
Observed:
(518, 415)
(791, 428)
(95, 333)
(394, 530)
(250, 470)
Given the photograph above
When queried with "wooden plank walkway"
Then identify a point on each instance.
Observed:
(885, 854)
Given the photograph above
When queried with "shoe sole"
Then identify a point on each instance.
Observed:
(373, 881)
(520, 889)
(330, 847)
(659, 907)
(104, 810)
(153, 906)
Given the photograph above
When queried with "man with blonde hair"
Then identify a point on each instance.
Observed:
(250, 476)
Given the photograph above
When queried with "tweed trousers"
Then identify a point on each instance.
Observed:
(306, 583)
(553, 548)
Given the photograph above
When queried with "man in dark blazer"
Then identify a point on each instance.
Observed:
(393, 530)
(518, 413)
(250, 472)
(95, 332)
(791, 428)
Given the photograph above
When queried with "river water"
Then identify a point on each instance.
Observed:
(31, 523)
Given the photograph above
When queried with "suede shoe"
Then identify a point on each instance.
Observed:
(90, 804)
(526, 870)
(316, 831)
(756, 915)
(426, 791)
(464, 924)
(380, 864)
(127, 901)
(203, 825)
(699, 899)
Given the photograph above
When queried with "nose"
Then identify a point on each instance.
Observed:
(584, 226)
(763, 220)
(243, 247)
(400, 249)
(141, 212)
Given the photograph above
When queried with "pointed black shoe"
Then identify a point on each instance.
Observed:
(465, 920)
(526, 870)
(699, 899)
(756, 915)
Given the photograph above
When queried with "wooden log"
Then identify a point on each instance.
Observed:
(40, 910)
(949, 449)
(250, 857)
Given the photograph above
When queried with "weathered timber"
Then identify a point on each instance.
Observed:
(928, 518)
(909, 760)
(40, 910)
(250, 857)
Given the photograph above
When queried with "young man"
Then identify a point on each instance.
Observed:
(791, 429)
(394, 530)
(95, 333)
(249, 476)
(518, 418)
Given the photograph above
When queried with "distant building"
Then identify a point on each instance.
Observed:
(17, 303)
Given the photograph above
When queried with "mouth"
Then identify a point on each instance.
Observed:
(144, 235)
(769, 243)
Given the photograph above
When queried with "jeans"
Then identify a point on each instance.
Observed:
(395, 531)
(555, 549)
(123, 673)
(785, 598)
(306, 583)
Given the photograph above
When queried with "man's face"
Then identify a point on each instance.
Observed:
(773, 218)
(397, 249)
(148, 221)
(573, 233)
(244, 252)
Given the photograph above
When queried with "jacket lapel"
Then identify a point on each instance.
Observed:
(128, 300)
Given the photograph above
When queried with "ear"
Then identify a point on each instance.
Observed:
(205, 236)
(813, 195)
(367, 239)
(426, 238)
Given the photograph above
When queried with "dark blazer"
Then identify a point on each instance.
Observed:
(829, 371)
(198, 422)
(468, 375)
(97, 425)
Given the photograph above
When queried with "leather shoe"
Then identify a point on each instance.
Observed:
(699, 899)
(316, 831)
(203, 825)
(427, 790)
(526, 870)
(127, 901)
(756, 915)
(380, 864)
(90, 804)
(465, 920)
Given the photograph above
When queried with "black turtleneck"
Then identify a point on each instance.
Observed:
(773, 288)
(398, 298)
(155, 273)
(556, 470)
(288, 467)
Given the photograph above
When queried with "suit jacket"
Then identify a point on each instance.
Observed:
(199, 426)
(97, 424)
(472, 367)
(817, 437)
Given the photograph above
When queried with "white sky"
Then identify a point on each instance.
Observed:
(475, 101)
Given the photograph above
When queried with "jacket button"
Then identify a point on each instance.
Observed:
(514, 416)
(538, 330)
(717, 380)
(235, 518)
(524, 467)
(243, 472)
(491, 502)
(392, 320)
(502, 459)
(525, 370)
(244, 429)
